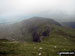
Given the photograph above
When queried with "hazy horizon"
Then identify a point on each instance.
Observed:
(17, 10)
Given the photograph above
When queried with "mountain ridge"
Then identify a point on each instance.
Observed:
(19, 30)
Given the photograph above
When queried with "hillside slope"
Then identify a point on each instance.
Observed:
(60, 39)
(27, 37)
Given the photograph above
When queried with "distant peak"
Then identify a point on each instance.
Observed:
(38, 17)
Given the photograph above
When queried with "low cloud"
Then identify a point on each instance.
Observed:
(14, 8)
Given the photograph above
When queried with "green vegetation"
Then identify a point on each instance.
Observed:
(60, 39)
(32, 49)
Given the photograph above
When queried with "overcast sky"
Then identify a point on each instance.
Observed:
(12, 10)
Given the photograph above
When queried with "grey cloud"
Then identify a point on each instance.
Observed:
(46, 8)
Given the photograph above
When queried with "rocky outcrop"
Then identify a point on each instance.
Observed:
(41, 33)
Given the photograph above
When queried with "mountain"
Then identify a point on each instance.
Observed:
(36, 35)
(33, 29)
(69, 24)
(28, 29)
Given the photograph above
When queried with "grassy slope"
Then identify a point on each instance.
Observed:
(62, 38)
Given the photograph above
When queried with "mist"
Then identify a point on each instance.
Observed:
(17, 10)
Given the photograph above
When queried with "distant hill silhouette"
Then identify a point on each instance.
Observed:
(69, 24)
